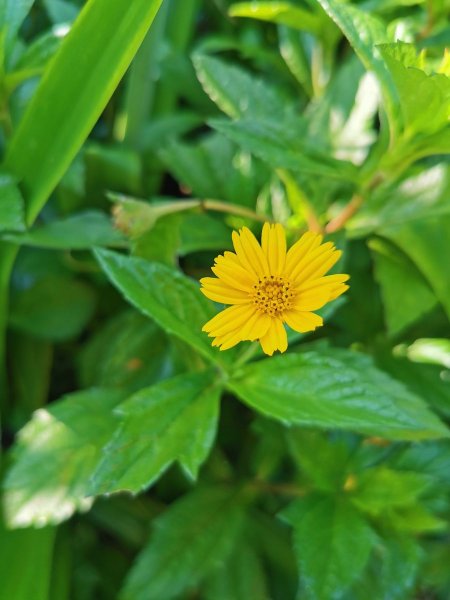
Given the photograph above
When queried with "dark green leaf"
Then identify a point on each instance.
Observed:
(171, 299)
(335, 389)
(12, 213)
(78, 232)
(332, 544)
(54, 457)
(190, 539)
(172, 421)
(12, 15)
(54, 308)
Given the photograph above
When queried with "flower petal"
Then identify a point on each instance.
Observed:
(256, 327)
(275, 338)
(229, 320)
(232, 273)
(307, 243)
(311, 299)
(249, 252)
(273, 244)
(217, 290)
(302, 321)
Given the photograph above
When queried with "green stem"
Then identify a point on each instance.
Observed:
(8, 254)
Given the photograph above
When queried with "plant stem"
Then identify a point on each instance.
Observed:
(8, 254)
(348, 211)
(233, 209)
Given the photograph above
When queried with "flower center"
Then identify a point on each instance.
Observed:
(272, 295)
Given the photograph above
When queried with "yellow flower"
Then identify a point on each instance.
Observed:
(268, 286)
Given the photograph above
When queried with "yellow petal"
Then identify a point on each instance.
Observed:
(302, 321)
(327, 281)
(311, 299)
(308, 242)
(256, 327)
(275, 338)
(229, 320)
(216, 290)
(233, 274)
(273, 244)
(307, 265)
(338, 290)
(249, 252)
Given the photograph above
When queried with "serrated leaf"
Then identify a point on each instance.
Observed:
(193, 537)
(170, 298)
(54, 457)
(332, 543)
(78, 232)
(431, 458)
(171, 421)
(282, 13)
(281, 145)
(364, 32)
(335, 389)
(12, 213)
(399, 278)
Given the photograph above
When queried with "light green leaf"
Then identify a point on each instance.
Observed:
(430, 350)
(282, 13)
(54, 308)
(54, 456)
(171, 421)
(332, 543)
(173, 300)
(282, 145)
(399, 278)
(75, 90)
(80, 231)
(192, 538)
(26, 563)
(335, 389)
(364, 32)
(12, 215)
(203, 232)
(382, 488)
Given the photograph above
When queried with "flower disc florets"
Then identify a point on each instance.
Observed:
(273, 295)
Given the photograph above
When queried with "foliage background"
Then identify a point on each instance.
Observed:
(323, 473)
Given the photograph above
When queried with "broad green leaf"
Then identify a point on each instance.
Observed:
(332, 543)
(430, 350)
(61, 11)
(382, 488)
(161, 242)
(427, 242)
(77, 232)
(364, 32)
(402, 557)
(335, 389)
(174, 420)
(430, 458)
(281, 145)
(26, 567)
(12, 15)
(282, 13)
(130, 352)
(73, 93)
(424, 99)
(12, 215)
(191, 539)
(203, 232)
(54, 308)
(237, 93)
(54, 457)
(399, 278)
(173, 300)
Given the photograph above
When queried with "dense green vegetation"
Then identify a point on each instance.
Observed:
(140, 462)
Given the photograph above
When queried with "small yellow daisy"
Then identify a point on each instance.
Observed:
(268, 286)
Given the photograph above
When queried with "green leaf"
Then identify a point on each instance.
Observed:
(77, 232)
(160, 243)
(427, 242)
(281, 145)
(402, 556)
(130, 352)
(12, 15)
(282, 13)
(203, 232)
(336, 389)
(192, 538)
(399, 278)
(173, 300)
(430, 458)
(11, 205)
(332, 543)
(54, 456)
(430, 350)
(75, 90)
(365, 32)
(54, 308)
(424, 99)
(239, 94)
(26, 563)
(174, 420)
(382, 488)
